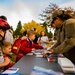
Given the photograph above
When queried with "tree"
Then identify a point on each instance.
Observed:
(12, 28)
(44, 24)
(47, 13)
(19, 27)
(33, 24)
(49, 34)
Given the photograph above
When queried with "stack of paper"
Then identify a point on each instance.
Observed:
(38, 53)
(10, 71)
(66, 65)
(11, 74)
(29, 53)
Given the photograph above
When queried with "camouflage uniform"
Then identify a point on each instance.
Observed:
(66, 39)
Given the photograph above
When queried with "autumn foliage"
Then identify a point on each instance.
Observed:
(33, 24)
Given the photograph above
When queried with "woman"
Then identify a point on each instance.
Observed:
(66, 38)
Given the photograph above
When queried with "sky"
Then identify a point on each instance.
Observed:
(28, 10)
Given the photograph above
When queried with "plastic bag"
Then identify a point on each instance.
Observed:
(42, 71)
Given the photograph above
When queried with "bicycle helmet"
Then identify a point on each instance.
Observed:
(4, 25)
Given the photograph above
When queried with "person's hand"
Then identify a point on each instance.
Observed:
(44, 41)
(45, 48)
(44, 54)
(33, 49)
(41, 41)
(12, 62)
(52, 51)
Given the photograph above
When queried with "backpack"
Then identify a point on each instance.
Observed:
(15, 50)
(16, 46)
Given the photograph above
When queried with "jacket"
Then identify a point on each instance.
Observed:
(66, 39)
(26, 48)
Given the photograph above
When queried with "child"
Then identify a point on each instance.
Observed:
(2, 62)
(6, 48)
(27, 45)
(43, 39)
(3, 27)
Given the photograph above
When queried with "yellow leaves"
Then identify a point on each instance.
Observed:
(33, 24)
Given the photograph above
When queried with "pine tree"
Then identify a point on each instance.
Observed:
(19, 27)
(12, 28)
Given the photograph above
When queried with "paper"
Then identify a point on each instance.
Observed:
(66, 65)
(11, 74)
(39, 55)
(29, 54)
(38, 51)
(10, 71)
(68, 70)
(65, 62)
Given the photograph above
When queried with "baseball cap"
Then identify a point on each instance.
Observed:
(57, 13)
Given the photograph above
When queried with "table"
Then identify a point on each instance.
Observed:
(27, 63)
